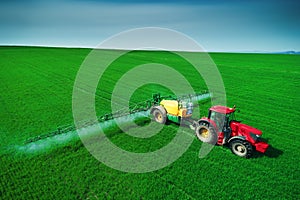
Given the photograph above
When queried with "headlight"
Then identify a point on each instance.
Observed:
(254, 136)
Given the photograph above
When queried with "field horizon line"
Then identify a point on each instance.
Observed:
(289, 52)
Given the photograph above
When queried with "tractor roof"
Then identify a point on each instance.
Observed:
(222, 109)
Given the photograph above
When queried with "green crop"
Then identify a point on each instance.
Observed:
(36, 97)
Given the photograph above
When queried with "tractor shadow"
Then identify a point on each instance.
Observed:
(271, 152)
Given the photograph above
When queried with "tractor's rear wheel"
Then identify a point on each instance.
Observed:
(159, 115)
(206, 134)
(241, 148)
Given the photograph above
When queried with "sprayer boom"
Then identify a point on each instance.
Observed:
(146, 105)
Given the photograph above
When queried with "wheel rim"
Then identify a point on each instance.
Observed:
(204, 133)
(159, 117)
(239, 149)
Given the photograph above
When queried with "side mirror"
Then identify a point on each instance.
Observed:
(236, 109)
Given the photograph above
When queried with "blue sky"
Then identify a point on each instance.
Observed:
(236, 25)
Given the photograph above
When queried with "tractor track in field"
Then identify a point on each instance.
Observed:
(56, 76)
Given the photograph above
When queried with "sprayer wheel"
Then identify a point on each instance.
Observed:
(159, 114)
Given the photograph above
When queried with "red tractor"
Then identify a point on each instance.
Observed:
(220, 127)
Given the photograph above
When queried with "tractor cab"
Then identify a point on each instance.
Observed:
(216, 127)
(221, 116)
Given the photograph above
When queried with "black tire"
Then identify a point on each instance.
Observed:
(241, 148)
(159, 114)
(206, 134)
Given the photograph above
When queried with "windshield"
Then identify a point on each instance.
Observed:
(219, 119)
(222, 120)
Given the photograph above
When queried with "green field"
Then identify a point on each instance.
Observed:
(36, 97)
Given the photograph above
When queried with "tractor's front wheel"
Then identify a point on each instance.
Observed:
(159, 114)
(241, 148)
(206, 134)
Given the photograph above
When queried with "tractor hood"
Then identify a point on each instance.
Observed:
(250, 129)
(244, 129)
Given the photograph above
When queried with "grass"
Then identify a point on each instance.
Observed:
(36, 92)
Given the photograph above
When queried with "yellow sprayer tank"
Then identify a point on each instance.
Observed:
(171, 106)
